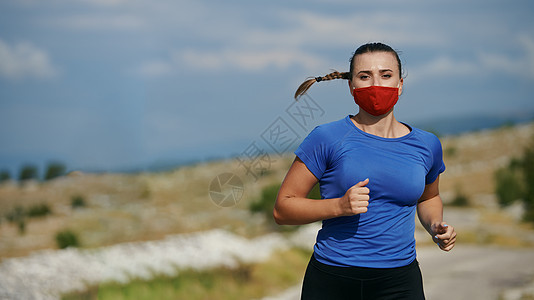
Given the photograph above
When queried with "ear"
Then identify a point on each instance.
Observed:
(400, 85)
(351, 88)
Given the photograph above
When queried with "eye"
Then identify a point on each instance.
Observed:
(363, 77)
(386, 76)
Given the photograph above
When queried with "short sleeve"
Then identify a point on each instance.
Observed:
(314, 151)
(438, 166)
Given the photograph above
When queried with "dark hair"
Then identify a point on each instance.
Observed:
(374, 47)
(366, 48)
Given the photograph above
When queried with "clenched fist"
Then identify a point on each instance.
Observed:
(444, 236)
(356, 199)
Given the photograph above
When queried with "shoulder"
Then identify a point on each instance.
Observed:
(428, 138)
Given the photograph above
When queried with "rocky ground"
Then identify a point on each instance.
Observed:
(49, 274)
(467, 272)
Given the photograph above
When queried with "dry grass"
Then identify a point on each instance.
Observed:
(123, 208)
(472, 159)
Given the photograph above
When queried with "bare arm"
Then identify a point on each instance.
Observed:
(430, 212)
(293, 208)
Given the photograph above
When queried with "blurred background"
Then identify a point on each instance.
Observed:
(124, 123)
(139, 85)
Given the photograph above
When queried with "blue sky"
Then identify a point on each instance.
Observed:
(116, 84)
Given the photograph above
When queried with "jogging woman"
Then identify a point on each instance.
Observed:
(374, 173)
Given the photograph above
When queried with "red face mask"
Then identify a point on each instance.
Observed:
(376, 100)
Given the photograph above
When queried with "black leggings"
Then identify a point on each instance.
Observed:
(324, 282)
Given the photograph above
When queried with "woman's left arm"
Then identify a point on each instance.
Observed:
(430, 212)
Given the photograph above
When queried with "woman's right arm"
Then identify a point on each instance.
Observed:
(293, 208)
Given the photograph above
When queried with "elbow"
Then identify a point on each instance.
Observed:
(277, 216)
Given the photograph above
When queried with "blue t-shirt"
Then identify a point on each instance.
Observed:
(340, 155)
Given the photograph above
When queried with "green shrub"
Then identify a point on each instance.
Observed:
(528, 176)
(509, 187)
(265, 203)
(28, 172)
(67, 238)
(145, 191)
(4, 176)
(19, 213)
(39, 210)
(54, 170)
(460, 199)
(16, 214)
(450, 151)
(516, 181)
(21, 224)
(315, 192)
(77, 201)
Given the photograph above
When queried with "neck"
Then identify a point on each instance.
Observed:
(385, 126)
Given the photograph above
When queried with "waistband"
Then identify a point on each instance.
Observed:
(362, 273)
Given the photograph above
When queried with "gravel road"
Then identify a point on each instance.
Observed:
(468, 273)
(474, 272)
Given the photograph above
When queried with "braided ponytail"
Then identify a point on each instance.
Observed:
(303, 88)
(370, 47)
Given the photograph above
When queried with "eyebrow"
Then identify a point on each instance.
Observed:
(380, 71)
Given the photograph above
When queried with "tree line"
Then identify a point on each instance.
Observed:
(30, 172)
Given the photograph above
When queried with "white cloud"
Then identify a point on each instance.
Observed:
(151, 69)
(254, 49)
(308, 29)
(520, 64)
(105, 2)
(249, 60)
(100, 21)
(500, 62)
(442, 66)
(24, 60)
(483, 63)
(296, 43)
(528, 44)
(228, 59)
(285, 37)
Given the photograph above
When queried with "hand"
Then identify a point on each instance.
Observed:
(356, 199)
(444, 236)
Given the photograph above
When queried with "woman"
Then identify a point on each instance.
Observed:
(374, 172)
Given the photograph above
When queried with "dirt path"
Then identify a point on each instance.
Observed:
(475, 272)
(468, 273)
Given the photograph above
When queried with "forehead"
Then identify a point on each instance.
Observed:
(375, 61)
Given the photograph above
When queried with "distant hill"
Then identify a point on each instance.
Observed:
(463, 124)
(232, 148)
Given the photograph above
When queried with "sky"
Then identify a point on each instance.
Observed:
(115, 85)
